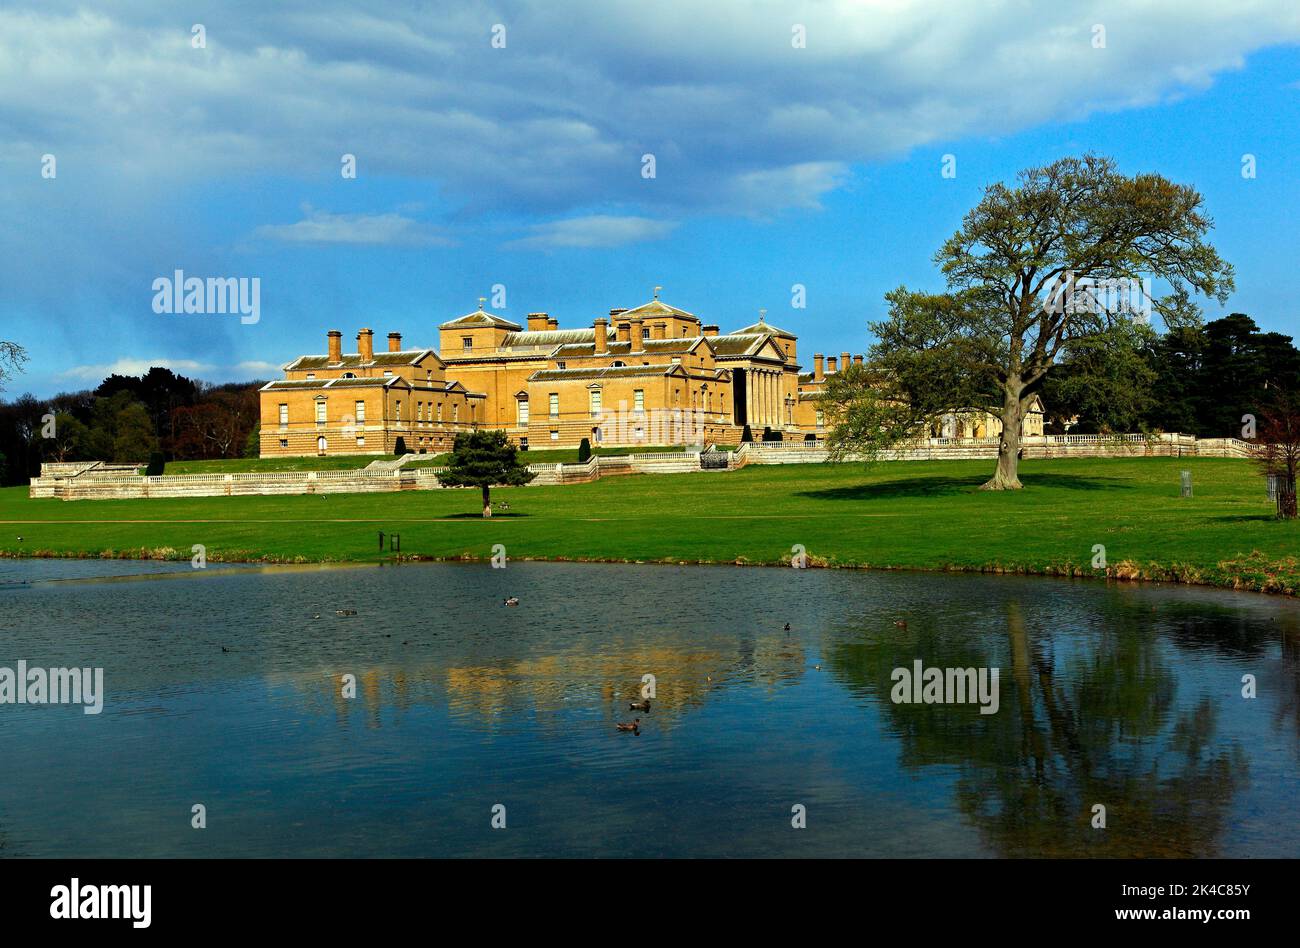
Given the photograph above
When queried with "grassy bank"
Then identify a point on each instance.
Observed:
(926, 515)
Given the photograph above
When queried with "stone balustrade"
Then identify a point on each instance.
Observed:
(94, 480)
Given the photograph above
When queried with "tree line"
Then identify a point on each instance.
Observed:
(129, 419)
(1200, 379)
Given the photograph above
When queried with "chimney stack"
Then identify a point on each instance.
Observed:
(857, 360)
(366, 345)
(844, 361)
(638, 344)
(552, 323)
(336, 346)
(602, 335)
(830, 366)
(623, 333)
(394, 342)
(538, 322)
(659, 331)
(819, 371)
(709, 330)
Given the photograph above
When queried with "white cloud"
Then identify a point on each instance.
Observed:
(241, 371)
(321, 227)
(556, 122)
(596, 230)
(800, 185)
(256, 368)
(95, 373)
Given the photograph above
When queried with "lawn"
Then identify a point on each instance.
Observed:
(904, 514)
(242, 465)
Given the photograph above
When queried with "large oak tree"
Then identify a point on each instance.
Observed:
(1023, 277)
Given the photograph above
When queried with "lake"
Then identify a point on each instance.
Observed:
(224, 687)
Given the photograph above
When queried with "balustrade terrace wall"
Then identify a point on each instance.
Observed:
(99, 481)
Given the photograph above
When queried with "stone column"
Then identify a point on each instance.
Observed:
(749, 398)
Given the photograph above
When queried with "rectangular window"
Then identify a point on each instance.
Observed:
(677, 360)
(555, 404)
(320, 413)
(439, 412)
(523, 412)
(419, 411)
(360, 412)
(388, 374)
(595, 403)
(821, 418)
(311, 376)
(398, 409)
(559, 365)
(361, 441)
(467, 343)
(455, 412)
(284, 414)
(555, 436)
(284, 442)
(523, 444)
(638, 400)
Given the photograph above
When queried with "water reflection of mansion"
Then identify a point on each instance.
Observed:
(551, 683)
(545, 386)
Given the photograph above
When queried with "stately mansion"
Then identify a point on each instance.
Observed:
(650, 375)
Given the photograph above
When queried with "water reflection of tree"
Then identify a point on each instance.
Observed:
(1288, 705)
(1099, 725)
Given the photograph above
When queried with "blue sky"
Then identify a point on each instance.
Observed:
(521, 165)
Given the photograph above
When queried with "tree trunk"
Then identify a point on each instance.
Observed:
(1286, 502)
(1007, 476)
(487, 502)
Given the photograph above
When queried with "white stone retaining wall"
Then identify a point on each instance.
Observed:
(98, 481)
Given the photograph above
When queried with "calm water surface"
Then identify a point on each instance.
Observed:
(1125, 696)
